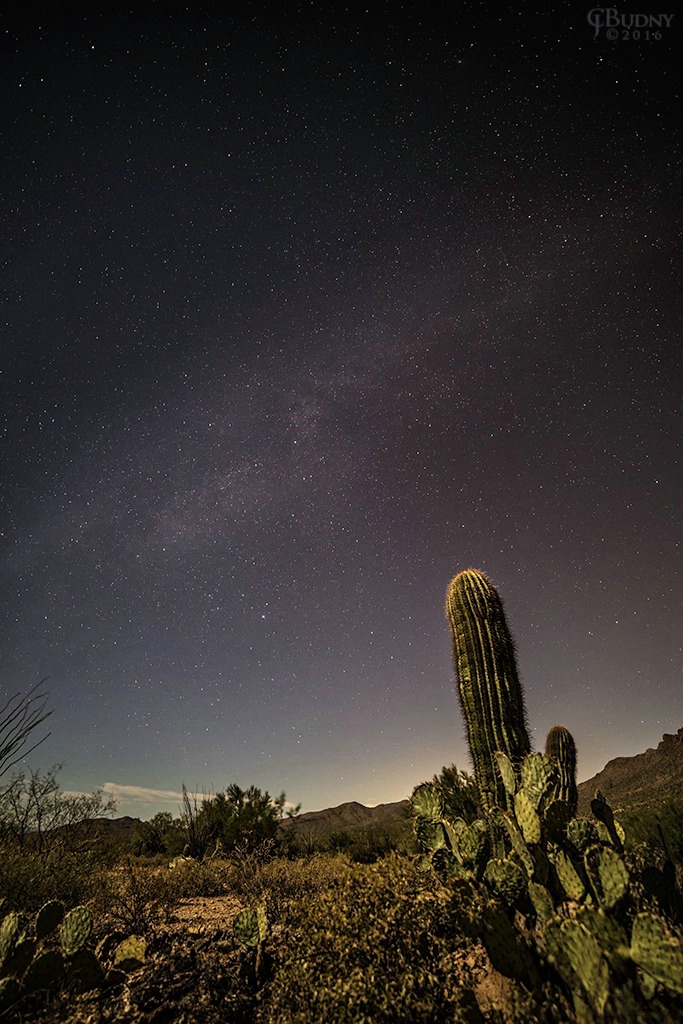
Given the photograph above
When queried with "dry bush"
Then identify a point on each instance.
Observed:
(365, 943)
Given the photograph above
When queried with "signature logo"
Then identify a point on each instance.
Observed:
(627, 26)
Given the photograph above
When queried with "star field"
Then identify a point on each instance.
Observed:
(303, 311)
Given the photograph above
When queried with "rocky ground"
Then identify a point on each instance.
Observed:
(194, 973)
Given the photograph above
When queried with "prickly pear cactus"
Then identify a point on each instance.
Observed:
(84, 971)
(537, 778)
(527, 817)
(428, 803)
(249, 927)
(569, 876)
(11, 931)
(607, 875)
(75, 930)
(507, 880)
(48, 918)
(609, 830)
(46, 971)
(584, 954)
(507, 952)
(657, 951)
(581, 833)
(130, 953)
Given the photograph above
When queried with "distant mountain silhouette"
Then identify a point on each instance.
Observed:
(117, 826)
(644, 780)
(349, 817)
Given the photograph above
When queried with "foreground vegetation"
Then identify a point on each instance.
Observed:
(501, 904)
(291, 941)
(396, 928)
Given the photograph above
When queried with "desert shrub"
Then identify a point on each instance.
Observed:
(370, 945)
(198, 878)
(280, 883)
(132, 898)
(29, 879)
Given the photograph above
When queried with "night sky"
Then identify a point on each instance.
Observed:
(305, 309)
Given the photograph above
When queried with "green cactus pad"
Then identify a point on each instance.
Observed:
(527, 817)
(452, 830)
(541, 872)
(430, 834)
(614, 836)
(246, 928)
(75, 930)
(657, 951)
(603, 812)
(507, 955)
(507, 772)
(542, 901)
(473, 844)
(606, 929)
(130, 954)
(585, 955)
(567, 875)
(48, 918)
(10, 933)
(647, 985)
(581, 833)
(607, 875)
(46, 971)
(555, 945)
(21, 957)
(518, 843)
(538, 775)
(507, 880)
(428, 803)
(556, 817)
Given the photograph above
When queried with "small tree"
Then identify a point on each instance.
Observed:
(248, 817)
(37, 816)
(49, 840)
(161, 834)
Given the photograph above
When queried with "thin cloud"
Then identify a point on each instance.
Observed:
(140, 794)
(145, 795)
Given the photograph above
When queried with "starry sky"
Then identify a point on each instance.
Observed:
(303, 310)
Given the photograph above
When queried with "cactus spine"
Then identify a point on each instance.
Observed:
(486, 672)
(560, 748)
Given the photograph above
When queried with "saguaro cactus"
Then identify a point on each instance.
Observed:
(560, 748)
(488, 683)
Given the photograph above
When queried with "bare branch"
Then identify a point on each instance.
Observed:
(19, 716)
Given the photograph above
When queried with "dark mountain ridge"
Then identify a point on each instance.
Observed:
(644, 780)
(650, 779)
